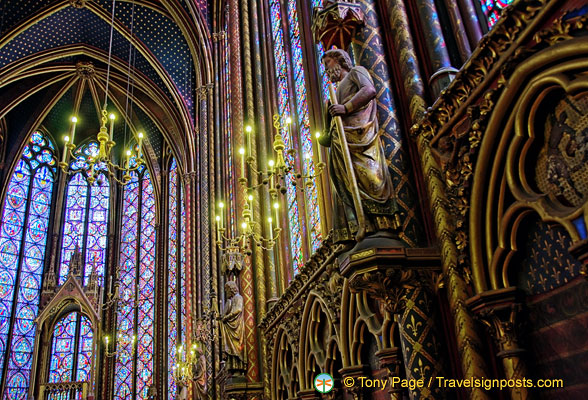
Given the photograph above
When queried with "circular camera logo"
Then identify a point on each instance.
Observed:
(323, 383)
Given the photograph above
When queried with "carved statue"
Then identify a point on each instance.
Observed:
(357, 108)
(232, 329)
(200, 375)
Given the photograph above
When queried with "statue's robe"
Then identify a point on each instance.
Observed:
(368, 159)
(232, 331)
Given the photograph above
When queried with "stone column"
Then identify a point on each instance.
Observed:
(247, 281)
(207, 251)
(498, 310)
(433, 35)
(457, 23)
(471, 21)
(407, 58)
(402, 280)
(369, 51)
(421, 347)
(391, 359)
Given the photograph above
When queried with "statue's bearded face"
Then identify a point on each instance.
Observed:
(333, 69)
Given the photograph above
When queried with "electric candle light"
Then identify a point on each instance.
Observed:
(271, 164)
(276, 207)
(244, 226)
(111, 116)
(249, 131)
(74, 121)
(66, 140)
(140, 134)
(269, 220)
(221, 205)
(318, 147)
(289, 123)
(218, 218)
(242, 152)
(128, 158)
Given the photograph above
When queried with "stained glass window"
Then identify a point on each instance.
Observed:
(295, 66)
(134, 366)
(86, 217)
(71, 349)
(492, 9)
(23, 238)
(176, 276)
(320, 52)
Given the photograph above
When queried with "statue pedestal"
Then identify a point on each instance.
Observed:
(404, 281)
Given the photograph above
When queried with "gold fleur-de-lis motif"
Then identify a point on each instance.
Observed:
(413, 326)
(421, 370)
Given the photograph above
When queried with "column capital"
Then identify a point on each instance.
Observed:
(498, 311)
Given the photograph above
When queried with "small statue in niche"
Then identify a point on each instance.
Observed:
(232, 329)
(356, 95)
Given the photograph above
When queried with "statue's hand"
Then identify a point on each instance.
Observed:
(337, 109)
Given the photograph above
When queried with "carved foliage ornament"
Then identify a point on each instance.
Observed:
(456, 148)
(391, 286)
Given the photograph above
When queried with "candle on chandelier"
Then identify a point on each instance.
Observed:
(74, 121)
(250, 198)
(289, 124)
(66, 140)
(140, 134)
(244, 226)
(111, 116)
(218, 218)
(269, 221)
(277, 207)
(249, 131)
(221, 205)
(242, 152)
(271, 171)
(318, 148)
(128, 159)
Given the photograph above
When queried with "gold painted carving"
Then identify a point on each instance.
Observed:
(390, 286)
(85, 69)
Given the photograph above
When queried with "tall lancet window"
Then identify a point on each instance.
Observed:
(320, 51)
(71, 349)
(86, 217)
(176, 311)
(134, 364)
(291, 80)
(23, 239)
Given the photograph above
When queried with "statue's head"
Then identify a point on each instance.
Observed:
(336, 61)
(231, 289)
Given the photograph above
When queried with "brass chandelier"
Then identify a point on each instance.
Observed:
(100, 162)
(280, 172)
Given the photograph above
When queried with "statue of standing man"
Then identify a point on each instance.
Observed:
(356, 98)
(232, 329)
